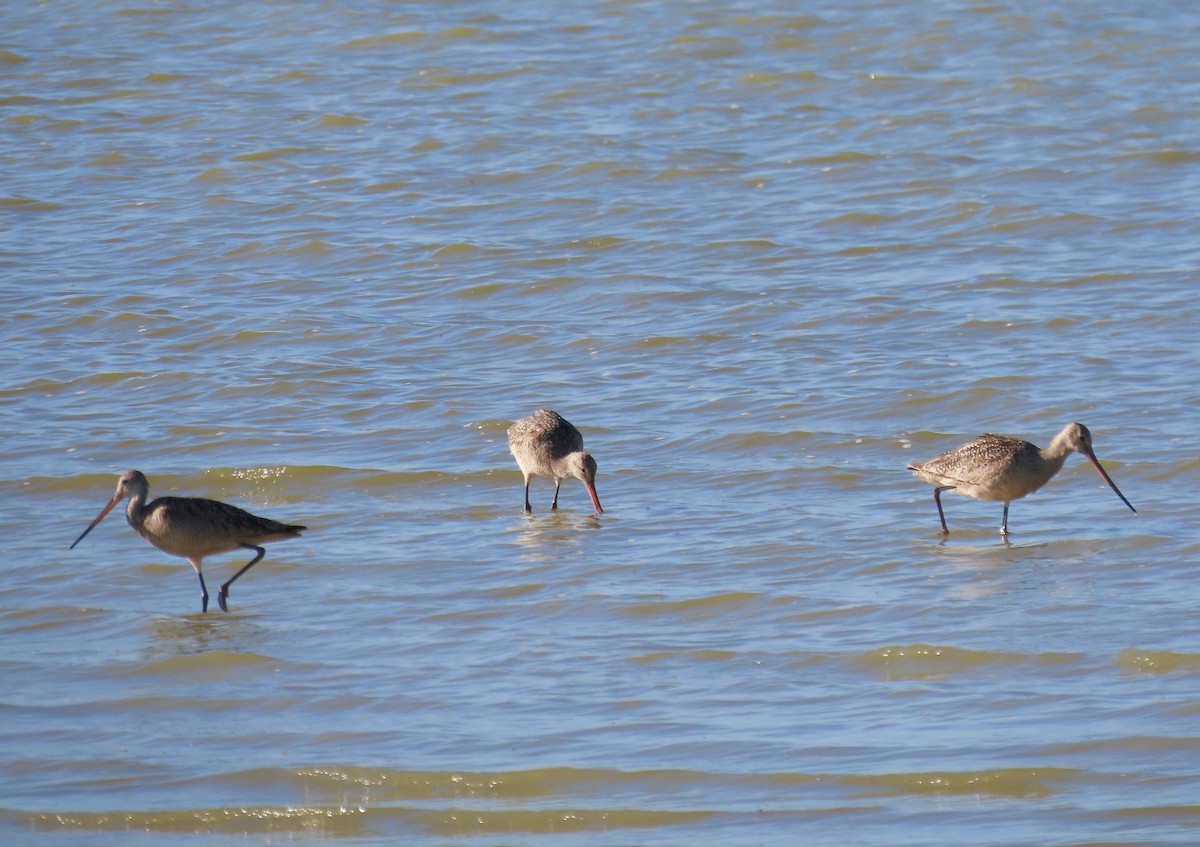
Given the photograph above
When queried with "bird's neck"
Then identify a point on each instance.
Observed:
(1054, 455)
(570, 465)
(1053, 462)
(135, 511)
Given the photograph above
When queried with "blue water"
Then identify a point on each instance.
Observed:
(313, 260)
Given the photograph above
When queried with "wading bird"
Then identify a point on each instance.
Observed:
(999, 467)
(193, 527)
(545, 444)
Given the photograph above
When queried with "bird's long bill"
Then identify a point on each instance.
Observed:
(1111, 484)
(114, 501)
(595, 497)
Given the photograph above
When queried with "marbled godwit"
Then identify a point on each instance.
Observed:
(546, 444)
(999, 467)
(193, 528)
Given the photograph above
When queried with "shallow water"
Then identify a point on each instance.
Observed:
(313, 260)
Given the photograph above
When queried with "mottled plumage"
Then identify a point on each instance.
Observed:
(1003, 468)
(546, 444)
(193, 527)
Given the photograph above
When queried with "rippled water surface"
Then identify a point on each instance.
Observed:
(313, 259)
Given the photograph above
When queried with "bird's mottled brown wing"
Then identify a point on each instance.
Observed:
(978, 462)
(546, 432)
(212, 519)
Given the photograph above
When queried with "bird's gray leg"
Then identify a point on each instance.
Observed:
(223, 594)
(557, 485)
(528, 508)
(1004, 521)
(195, 563)
(937, 498)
